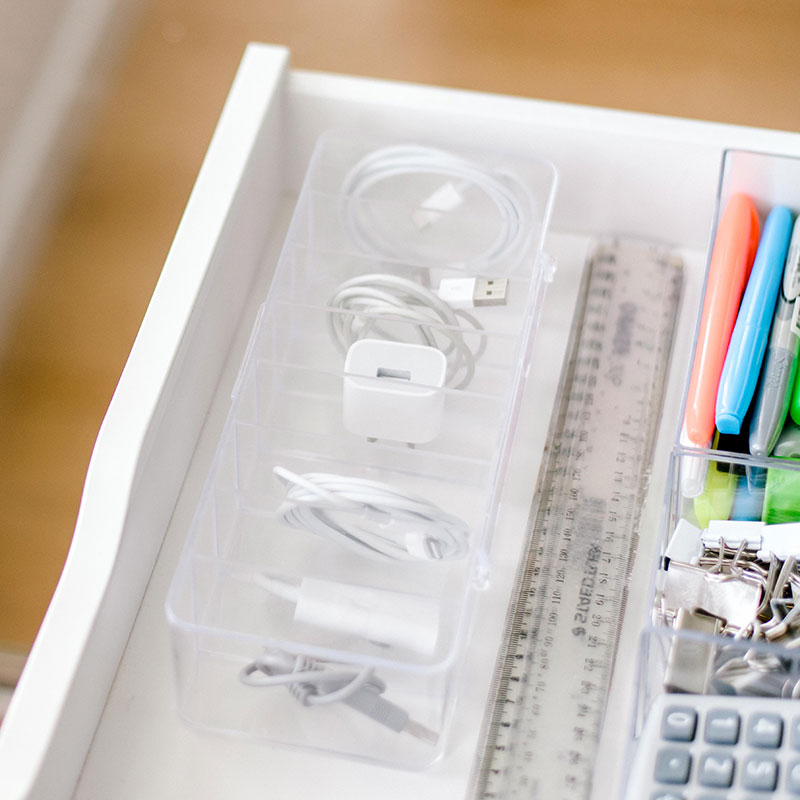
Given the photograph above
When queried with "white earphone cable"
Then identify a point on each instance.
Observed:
(428, 533)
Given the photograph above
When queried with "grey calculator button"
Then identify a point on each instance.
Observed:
(722, 726)
(716, 769)
(679, 724)
(666, 794)
(795, 737)
(760, 773)
(793, 778)
(672, 765)
(765, 730)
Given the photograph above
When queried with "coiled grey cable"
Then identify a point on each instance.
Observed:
(314, 683)
(429, 533)
(378, 298)
(307, 680)
(503, 190)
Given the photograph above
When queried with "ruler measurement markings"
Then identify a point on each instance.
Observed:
(565, 618)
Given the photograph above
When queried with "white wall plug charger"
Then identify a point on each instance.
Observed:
(393, 308)
(393, 390)
(397, 619)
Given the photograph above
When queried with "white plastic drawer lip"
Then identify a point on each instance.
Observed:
(103, 723)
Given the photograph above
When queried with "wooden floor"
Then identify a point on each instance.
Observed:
(726, 60)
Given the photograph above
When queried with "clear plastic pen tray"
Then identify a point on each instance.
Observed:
(251, 584)
(769, 181)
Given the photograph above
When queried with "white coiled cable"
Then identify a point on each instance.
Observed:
(426, 532)
(503, 190)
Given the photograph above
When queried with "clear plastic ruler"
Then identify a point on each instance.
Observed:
(548, 697)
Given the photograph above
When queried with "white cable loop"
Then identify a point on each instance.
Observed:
(366, 301)
(503, 190)
(425, 531)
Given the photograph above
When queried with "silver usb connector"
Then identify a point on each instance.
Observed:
(473, 292)
(490, 292)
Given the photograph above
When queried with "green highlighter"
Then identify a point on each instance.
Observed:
(794, 406)
(716, 501)
(782, 494)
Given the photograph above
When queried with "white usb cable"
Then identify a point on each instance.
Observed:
(396, 525)
(504, 191)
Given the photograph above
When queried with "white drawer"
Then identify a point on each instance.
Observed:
(94, 715)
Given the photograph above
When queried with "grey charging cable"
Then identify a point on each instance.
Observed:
(315, 683)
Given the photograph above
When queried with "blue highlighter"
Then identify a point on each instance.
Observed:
(749, 338)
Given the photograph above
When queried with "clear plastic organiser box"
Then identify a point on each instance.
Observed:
(723, 613)
(323, 596)
(723, 551)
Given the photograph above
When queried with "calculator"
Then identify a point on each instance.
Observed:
(721, 747)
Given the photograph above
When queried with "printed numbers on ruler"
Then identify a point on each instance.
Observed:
(548, 697)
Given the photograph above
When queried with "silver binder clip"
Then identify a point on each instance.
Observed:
(735, 598)
(691, 658)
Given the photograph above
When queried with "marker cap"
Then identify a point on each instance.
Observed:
(728, 423)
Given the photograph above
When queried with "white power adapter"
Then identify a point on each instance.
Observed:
(394, 390)
(389, 618)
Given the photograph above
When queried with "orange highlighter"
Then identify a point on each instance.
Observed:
(731, 261)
